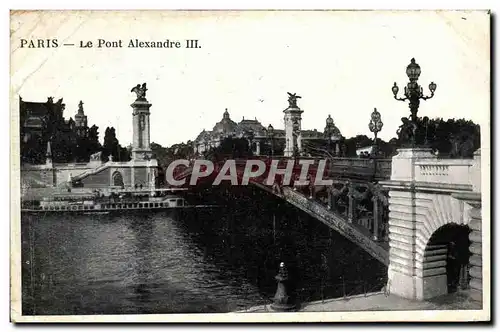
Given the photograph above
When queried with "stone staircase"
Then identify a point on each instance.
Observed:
(92, 171)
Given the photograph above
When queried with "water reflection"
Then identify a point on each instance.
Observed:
(142, 229)
(202, 261)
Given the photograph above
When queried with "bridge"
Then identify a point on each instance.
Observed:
(418, 214)
(410, 213)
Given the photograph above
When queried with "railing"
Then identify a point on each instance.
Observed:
(326, 292)
(341, 290)
(363, 204)
(339, 223)
(356, 168)
(360, 168)
(92, 171)
(446, 171)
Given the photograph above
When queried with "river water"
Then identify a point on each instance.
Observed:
(209, 260)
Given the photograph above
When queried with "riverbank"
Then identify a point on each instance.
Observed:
(379, 301)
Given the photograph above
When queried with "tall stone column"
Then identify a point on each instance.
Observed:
(142, 165)
(141, 148)
(292, 125)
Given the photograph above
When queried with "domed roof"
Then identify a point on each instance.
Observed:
(329, 120)
(226, 125)
(203, 136)
(331, 129)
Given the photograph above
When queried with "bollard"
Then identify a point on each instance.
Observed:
(281, 298)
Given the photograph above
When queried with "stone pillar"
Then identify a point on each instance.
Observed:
(405, 272)
(475, 260)
(257, 148)
(48, 156)
(292, 127)
(299, 142)
(49, 166)
(417, 210)
(140, 145)
(475, 237)
(476, 172)
(352, 208)
(132, 173)
(330, 198)
(376, 217)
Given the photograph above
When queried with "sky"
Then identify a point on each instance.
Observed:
(342, 64)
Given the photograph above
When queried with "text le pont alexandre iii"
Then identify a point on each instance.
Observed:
(119, 43)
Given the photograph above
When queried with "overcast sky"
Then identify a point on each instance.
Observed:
(341, 63)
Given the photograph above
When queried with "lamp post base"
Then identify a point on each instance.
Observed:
(281, 299)
(283, 307)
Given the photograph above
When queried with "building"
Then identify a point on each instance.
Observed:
(293, 139)
(35, 117)
(40, 122)
(366, 150)
(141, 171)
(226, 127)
(81, 121)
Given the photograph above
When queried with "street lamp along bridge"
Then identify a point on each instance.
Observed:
(413, 93)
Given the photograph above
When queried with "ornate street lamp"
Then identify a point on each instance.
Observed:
(270, 134)
(375, 127)
(413, 91)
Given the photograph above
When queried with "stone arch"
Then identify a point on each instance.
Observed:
(433, 211)
(443, 265)
(117, 179)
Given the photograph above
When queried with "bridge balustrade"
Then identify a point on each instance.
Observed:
(363, 204)
(445, 171)
(357, 168)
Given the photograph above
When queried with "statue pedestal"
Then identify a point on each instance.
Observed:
(141, 149)
(403, 164)
(292, 130)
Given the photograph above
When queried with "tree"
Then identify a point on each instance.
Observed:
(33, 152)
(93, 144)
(453, 137)
(110, 143)
(111, 147)
(356, 142)
(230, 148)
(160, 153)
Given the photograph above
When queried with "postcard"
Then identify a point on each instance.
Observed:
(250, 166)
